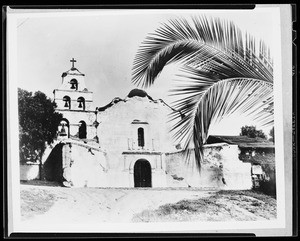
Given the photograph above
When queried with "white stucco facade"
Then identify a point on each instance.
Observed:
(128, 143)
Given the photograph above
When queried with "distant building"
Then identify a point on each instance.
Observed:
(253, 150)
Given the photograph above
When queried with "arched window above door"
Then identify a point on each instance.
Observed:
(141, 137)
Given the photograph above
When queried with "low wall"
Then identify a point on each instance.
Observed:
(29, 172)
(221, 168)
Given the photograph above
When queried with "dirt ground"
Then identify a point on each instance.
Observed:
(225, 205)
(51, 203)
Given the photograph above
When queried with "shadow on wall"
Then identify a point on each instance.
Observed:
(52, 168)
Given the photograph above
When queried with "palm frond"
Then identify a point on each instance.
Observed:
(204, 103)
(198, 44)
(224, 73)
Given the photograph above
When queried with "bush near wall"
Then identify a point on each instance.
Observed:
(268, 185)
(265, 157)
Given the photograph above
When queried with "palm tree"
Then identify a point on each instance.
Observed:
(222, 74)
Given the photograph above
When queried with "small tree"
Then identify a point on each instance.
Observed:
(252, 132)
(38, 123)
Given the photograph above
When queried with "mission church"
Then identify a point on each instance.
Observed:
(128, 143)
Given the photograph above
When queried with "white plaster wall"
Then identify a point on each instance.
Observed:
(85, 168)
(221, 168)
(117, 133)
(236, 173)
(29, 172)
(179, 172)
(74, 117)
(220, 164)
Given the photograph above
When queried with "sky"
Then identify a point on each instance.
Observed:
(105, 42)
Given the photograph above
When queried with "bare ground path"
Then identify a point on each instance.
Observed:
(49, 204)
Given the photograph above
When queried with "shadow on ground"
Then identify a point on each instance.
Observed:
(41, 183)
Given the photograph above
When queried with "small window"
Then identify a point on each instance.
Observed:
(67, 101)
(74, 84)
(141, 140)
(81, 103)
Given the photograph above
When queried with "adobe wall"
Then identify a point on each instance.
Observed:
(221, 168)
(119, 125)
(84, 166)
(88, 166)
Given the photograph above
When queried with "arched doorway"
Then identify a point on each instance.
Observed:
(52, 168)
(142, 174)
(82, 130)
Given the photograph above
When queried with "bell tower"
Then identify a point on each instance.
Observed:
(73, 93)
(75, 102)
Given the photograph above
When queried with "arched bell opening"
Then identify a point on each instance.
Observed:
(82, 130)
(67, 102)
(81, 103)
(64, 128)
(74, 84)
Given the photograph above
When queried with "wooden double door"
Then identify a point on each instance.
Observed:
(142, 174)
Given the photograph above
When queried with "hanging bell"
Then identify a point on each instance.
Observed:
(63, 131)
(66, 104)
(73, 86)
(80, 104)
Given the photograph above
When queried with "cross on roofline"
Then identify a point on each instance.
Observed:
(73, 61)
